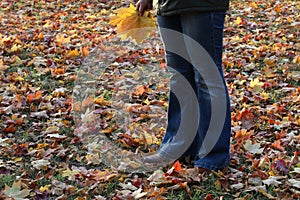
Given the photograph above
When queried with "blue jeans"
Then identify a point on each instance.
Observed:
(206, 29)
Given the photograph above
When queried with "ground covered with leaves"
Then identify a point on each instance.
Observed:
(44, 44)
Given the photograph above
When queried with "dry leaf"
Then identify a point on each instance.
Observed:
(15, 191)
(253, 147)
(131, 25)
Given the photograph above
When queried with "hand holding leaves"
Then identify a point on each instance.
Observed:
(143, 5)
(131, 25)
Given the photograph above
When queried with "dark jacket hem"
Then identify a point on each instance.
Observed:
(197, 9)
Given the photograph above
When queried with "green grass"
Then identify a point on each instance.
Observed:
(200, 191)
(6, 179)
(110, 187)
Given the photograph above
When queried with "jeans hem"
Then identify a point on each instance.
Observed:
(210, 166)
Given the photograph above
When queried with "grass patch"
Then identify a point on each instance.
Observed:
(6, 179)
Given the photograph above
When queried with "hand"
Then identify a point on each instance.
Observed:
(143, 5)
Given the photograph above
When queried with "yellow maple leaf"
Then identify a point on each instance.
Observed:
(61, 39)
(48, 24)
(255, 82)
(70, 174)
(147, 102)
(238, 21)
(253, 5)
(15, 47)
(45, 188)
(73, 53)
(265, 95)
(256, 85)
(131, 25)
(2, 66)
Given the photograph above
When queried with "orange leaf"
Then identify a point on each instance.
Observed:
(34, 97)
(243, 133)
(140, 90)
(88, 101)
(57, 71)
(18, 100)
(277, 145)
(10, 129)
(99, 101)
(296, 59)
(177, 166)
(73, 53)
(253, 5)
(84, 51)
(278, 9)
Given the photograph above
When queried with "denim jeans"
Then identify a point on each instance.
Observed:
(206, 29)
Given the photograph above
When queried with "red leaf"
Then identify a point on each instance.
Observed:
(177, 166)
(10, 129)
(209, 197)
(280, 166)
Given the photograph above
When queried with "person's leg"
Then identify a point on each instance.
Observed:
(178, 67)
(207, 30)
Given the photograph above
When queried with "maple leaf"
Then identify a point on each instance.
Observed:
(40, 164)
(52, 129)
(38, 61)
(73, 53)
(280, 166)
(296, 170)
(71, 174)
(253, 148)
(140, 90)
(272, 180)
(256, 85)
(277, 145)
(237, 186)
(238, 21)
(34, 97)
(45, 188)
(88, 116)
(131, 25)
(61, 39)
(10, 129)
(84, 51)
(177, 166)
(15, 191)
(139, 194)
(295, 183)
(2, 66)
(15, 48)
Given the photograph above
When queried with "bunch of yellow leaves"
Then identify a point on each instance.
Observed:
(131, 25)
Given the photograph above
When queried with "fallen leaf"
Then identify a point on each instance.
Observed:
(40, 164)
(15, 191)
(295, 183)
(139, 194)
(177, 166)
(253, 148)
(237, 186)
(272, 180)
(130, 24)
(71, 174)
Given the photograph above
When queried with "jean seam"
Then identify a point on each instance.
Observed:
(213, 37)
